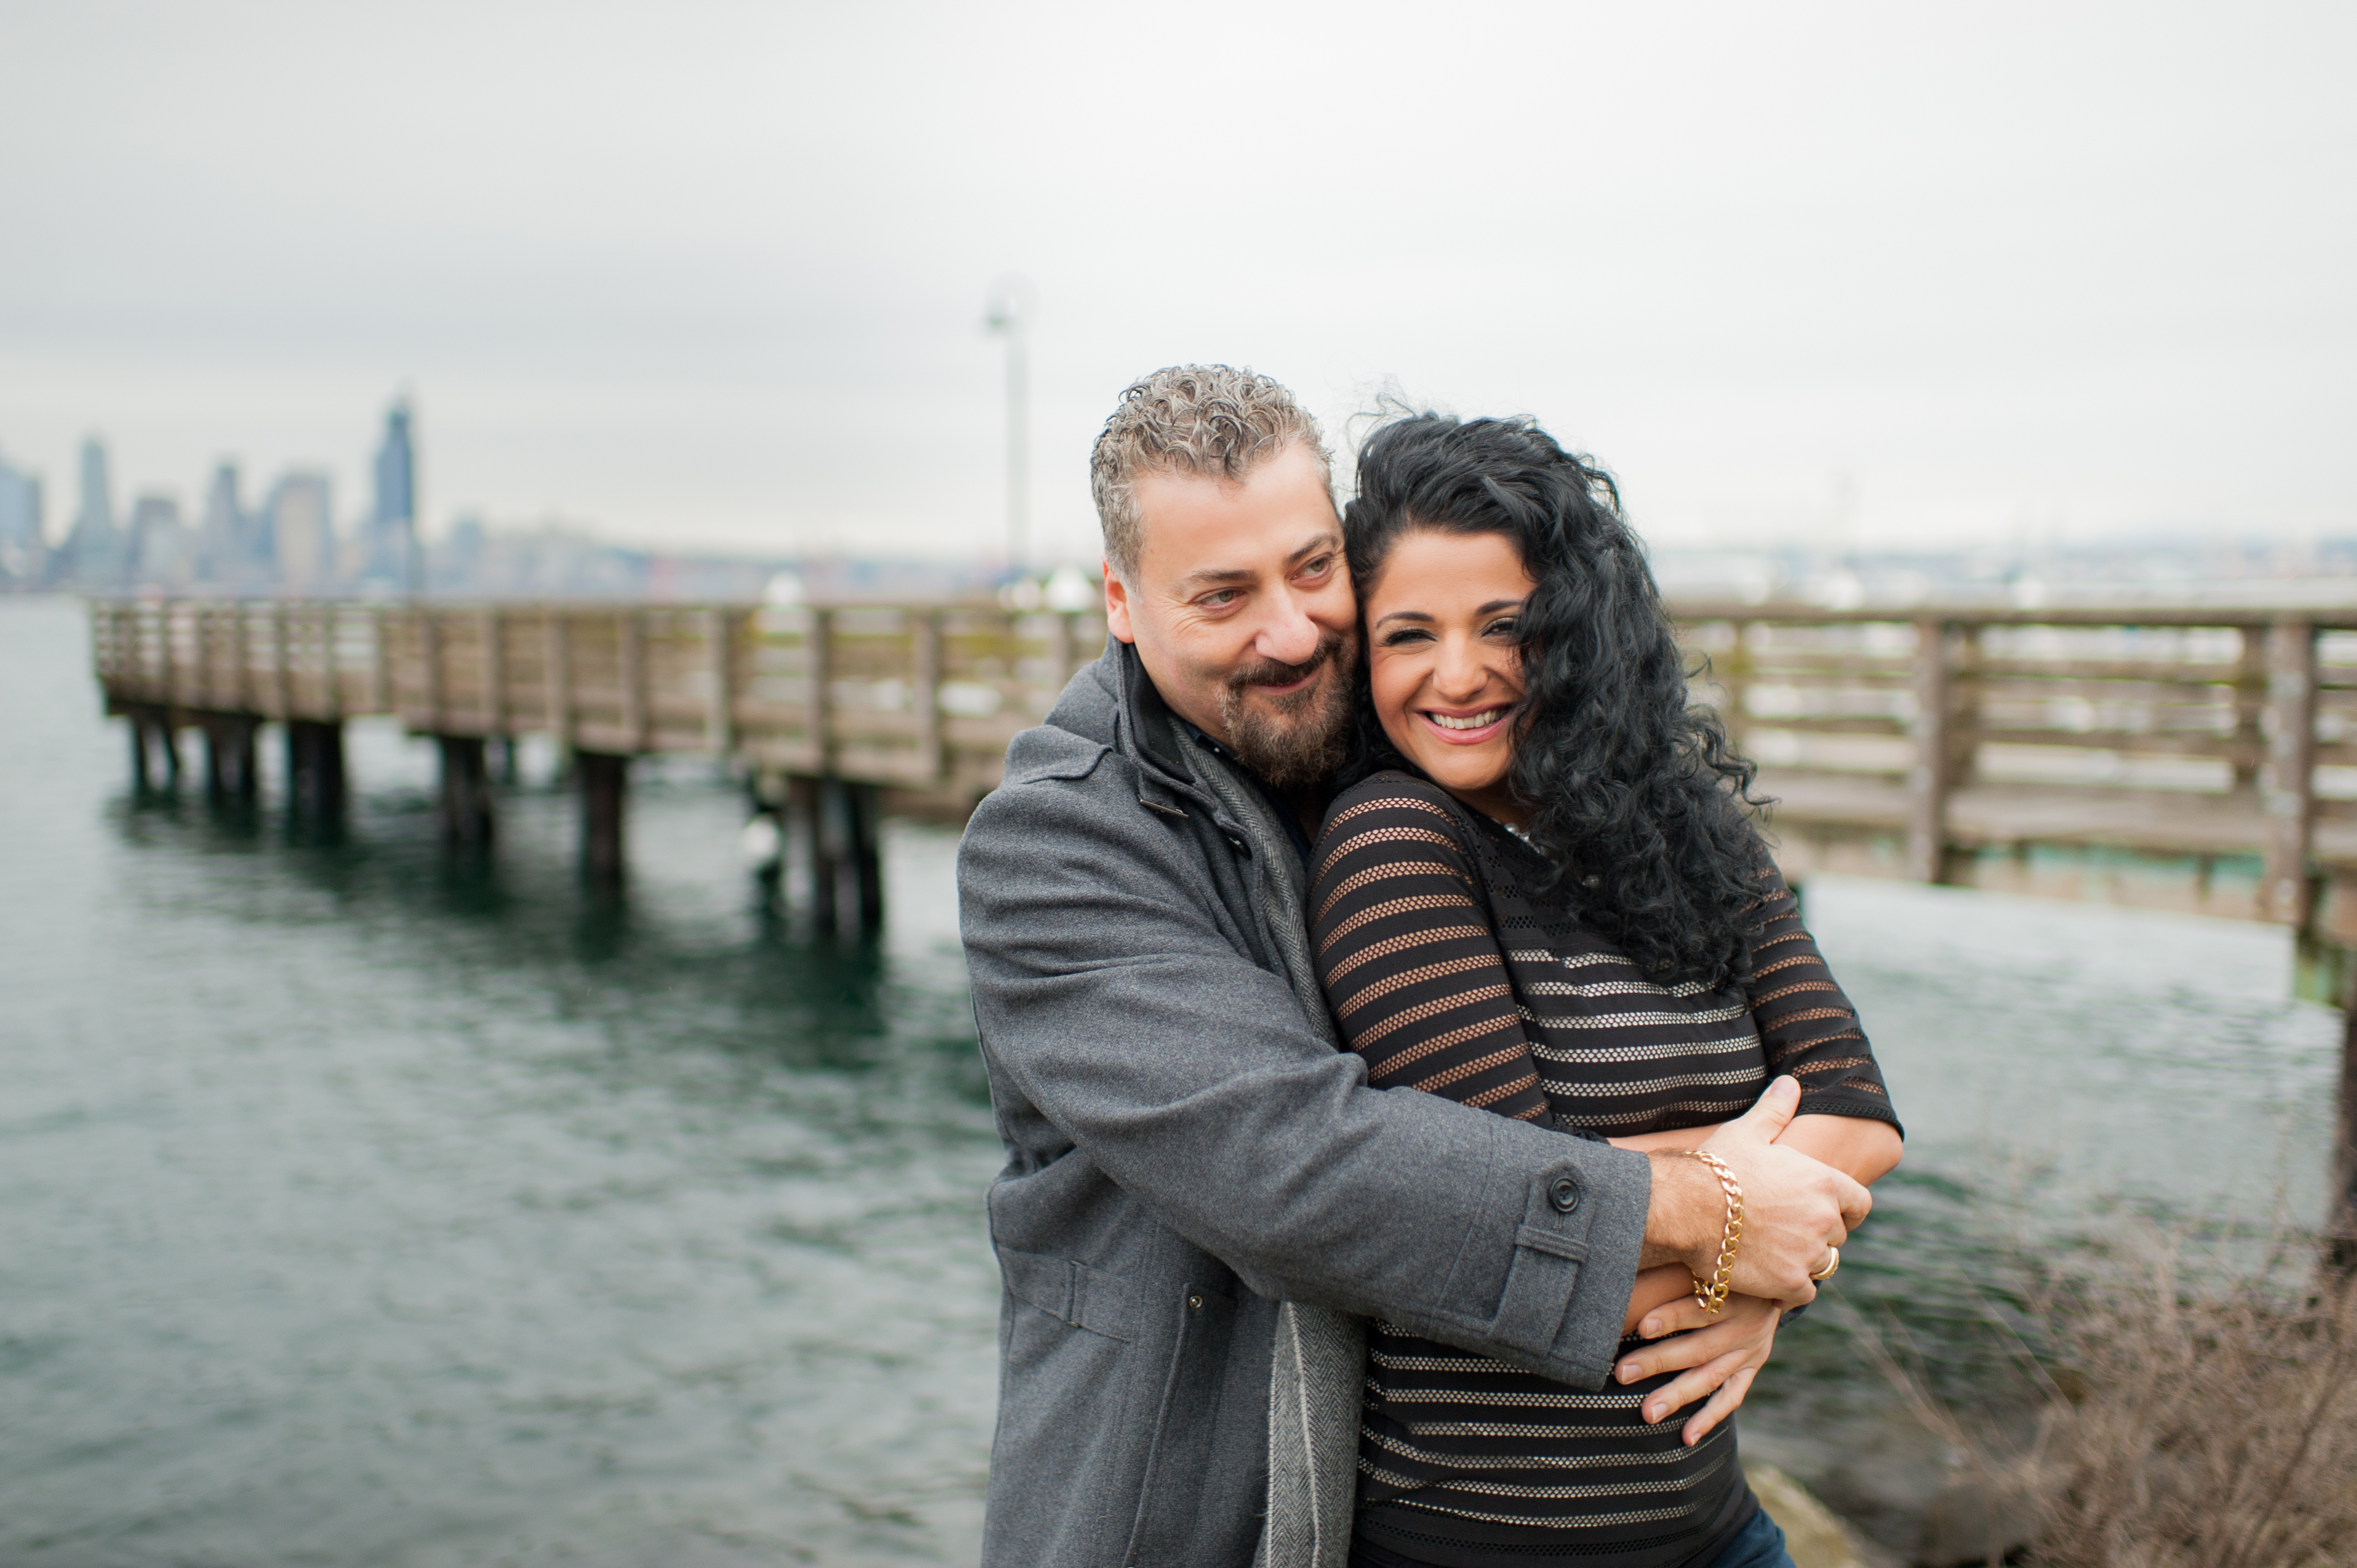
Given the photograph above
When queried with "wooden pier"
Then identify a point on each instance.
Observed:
(2197, 759)
(822, 707)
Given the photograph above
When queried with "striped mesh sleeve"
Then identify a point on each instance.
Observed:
(1805, 1022)
(1410, 966)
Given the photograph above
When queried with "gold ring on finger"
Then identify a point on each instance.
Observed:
(1833, 1261)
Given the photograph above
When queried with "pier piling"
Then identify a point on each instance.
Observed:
(315, 770)
(151, 742)
(465, 804)
(604, 780)
(863, 816)
(229, 756)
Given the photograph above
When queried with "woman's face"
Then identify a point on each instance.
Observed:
(1444, 661)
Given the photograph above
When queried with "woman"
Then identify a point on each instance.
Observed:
(1546, 897)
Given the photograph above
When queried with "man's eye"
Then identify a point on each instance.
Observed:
(1220, 600)
(1319, 567)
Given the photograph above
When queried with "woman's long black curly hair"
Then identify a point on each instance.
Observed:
(1637, 798)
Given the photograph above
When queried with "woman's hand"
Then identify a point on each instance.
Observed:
(1719, 1356)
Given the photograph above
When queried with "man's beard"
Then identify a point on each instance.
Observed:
(1300, 738)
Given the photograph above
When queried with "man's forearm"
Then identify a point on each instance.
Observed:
(1685, 1214)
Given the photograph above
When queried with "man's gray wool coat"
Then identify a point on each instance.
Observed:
(1201, 1193)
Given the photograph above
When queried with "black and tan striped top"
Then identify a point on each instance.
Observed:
(1451, 978)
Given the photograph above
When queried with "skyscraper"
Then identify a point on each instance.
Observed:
(299, 517)
(159, 549)
(392, 525)
(94, 553)
(224, 544)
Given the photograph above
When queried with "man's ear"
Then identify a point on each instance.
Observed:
(1116, 592)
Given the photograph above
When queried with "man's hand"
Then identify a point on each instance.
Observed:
(1719, 1356)
(1794, 1208)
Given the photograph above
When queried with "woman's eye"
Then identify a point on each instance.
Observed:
(1402, 638)
(1500, 627)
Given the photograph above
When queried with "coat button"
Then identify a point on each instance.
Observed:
(1564, 1195)
(1194, 1304)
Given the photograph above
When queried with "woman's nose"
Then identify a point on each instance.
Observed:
(1459, 672)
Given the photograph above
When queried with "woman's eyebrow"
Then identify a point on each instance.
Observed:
(1403, 614)
(1501, 605)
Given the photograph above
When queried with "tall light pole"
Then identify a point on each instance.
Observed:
(1012, 301)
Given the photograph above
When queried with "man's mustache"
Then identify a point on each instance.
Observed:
(1269, 672)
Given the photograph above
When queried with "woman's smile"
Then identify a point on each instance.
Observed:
(1464, 729)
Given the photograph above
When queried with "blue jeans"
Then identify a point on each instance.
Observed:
(1758, 1544)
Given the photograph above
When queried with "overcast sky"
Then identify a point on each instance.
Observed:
(708, 273)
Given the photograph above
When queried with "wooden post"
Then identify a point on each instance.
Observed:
(169, 740)
(807, 801)
(139, 723)
(862, 818)
(201, 678)
(315, 770)
(720, 653)
(605, 784)
(2250, 737)
(1932, 777)
(465, 795)
(1734, 679)
(283, 675)
(2290, 791)
(557, 654)
(381, 672)
(241, 647)
(229, 756)
(819, 664)
(430, 654)
(927, 658)
(495, 705)
(632, 632)
(165, 617)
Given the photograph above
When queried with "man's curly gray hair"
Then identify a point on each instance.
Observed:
(1211, 420)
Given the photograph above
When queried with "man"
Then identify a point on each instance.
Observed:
(1202, 1195)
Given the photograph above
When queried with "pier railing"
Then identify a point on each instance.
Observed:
(922, 696)
(2202, 758)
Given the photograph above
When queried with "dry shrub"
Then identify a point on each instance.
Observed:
(2199, 1423)
(2185, 1414)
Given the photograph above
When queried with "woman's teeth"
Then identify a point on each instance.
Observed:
(1474, 721)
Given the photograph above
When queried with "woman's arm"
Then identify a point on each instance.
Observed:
(1413, 971)
(1862, 1150)
(1408, 959)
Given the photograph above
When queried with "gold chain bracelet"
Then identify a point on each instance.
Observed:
(1713, 1295)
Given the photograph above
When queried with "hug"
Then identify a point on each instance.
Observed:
(1422, 1099)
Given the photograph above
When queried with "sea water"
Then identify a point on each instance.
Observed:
(360, 1208)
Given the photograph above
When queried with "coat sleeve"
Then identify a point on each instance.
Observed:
(1112, 992)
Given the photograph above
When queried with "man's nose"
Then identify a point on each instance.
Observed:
(1288, 634)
